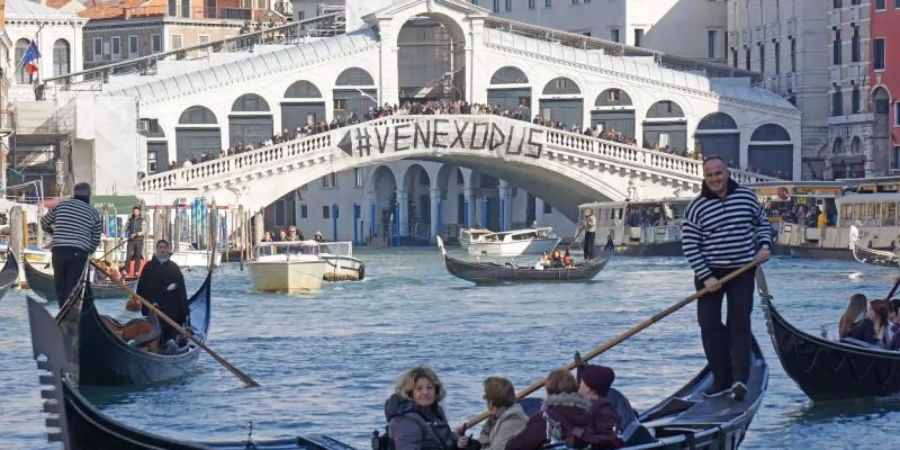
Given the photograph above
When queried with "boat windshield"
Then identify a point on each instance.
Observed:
(287, 248)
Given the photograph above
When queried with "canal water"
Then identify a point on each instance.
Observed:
(327, 362)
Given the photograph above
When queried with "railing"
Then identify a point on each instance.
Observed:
(278, 155)
(146, 65)
(580, 41)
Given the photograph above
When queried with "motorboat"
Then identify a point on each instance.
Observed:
(186, 256)
(509, 244)
(288, 267)
(342, 266)
(467, 236)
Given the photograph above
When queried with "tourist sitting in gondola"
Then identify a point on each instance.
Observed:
(874, 328)
(895, 324)
(415, 418)
(570, 418)
(162, 284)
(567, 260)
(855, 313)
(556, 260)
(507, 417)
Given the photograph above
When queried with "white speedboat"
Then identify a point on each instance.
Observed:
(509, 244)
(287, 267)
(468, 236)
(186, 256)
(342, 266)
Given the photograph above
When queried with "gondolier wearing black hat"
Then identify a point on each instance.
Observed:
(75, 228)
(725, 228)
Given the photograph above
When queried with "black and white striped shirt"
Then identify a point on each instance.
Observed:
(724, 232)
(73, 223)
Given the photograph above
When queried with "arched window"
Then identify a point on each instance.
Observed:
(250, 102)
(61, 52)
(22, 77)
(509, 75)
(856, 146)
(302, 89)
(771, 151)
(717, 121)
(355, 76)
(838, 147)
(613, 97)
(561, 86)
(770, 133)
(665, 109)
(197, 115)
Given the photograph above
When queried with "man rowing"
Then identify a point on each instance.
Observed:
(162, 284)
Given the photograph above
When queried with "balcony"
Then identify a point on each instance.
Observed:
(759, 33)
(791, 27)
(854, 14)
(835, 74)
(773, 30)
(745, 37)
(835, 18)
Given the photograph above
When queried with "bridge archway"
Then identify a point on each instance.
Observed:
(562, 101)
(197, 135)
(303, 105)
(452, 185)
(383, 211)
(614, 111)
(415, 202)
(717, 134)
(771, 151)
(354, 95)
(510, 90)
(665, 126)
(250, 121)
(431, 59)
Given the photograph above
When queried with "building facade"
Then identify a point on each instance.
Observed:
(885, 76)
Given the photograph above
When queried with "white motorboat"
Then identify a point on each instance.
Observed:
(509, 244)
(468, 236)
(287, 267)
(342, 266)
(186, 256)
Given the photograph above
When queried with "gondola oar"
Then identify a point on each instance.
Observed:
(234, 370)
(893, 290)
(621, 338)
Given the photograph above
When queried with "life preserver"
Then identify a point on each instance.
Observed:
(362, 271)
(783, 193)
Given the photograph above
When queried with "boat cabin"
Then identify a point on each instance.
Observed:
(639, 222)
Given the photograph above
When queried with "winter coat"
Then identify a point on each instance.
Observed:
(497, 432)
(411, 427)
(572, 419)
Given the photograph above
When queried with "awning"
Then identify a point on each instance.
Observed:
(121, 203)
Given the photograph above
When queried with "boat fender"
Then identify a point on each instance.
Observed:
(362, 271)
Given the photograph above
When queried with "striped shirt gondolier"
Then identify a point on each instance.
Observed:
(717, 231)
(73, 223)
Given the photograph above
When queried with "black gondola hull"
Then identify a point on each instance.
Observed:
(106, 360)
(43, 285)
(827, 370)
(489, 273)
(8, 275)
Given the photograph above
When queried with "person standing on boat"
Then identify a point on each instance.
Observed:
(75, 227)
(134, 232)
(589, 225)
(725, 228)
(162, 284)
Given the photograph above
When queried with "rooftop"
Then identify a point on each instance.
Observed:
(26, 9)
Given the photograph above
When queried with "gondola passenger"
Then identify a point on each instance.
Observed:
(567, 259)
(855, 313)
(556, 260)
(162, 283)
(507, 418)
(415, 418)
(895, 324)
(873, 329)
(570, 418)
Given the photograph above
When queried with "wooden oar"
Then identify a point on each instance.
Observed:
(621, 338)
(893, 290)
(234, 370)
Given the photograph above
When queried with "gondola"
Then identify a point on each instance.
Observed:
(42, 284)
(105, 359)
(492, 273)
(8, 275)
(865, 254)
(830, 370)
(78, 425)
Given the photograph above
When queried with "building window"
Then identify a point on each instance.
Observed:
(734, 57)
(896, 4)
(880, 5)
(176, 41)
(173, 8)
(357, 177)
(61, 57)
(747, 58)
(762, 57)
(203, 39)
(496, 5)
(854, 45)
(638, 36)
(836, 48)
(152, 164)
(854, 100)
(793, 55)
(530, 4)
(116, 44)
(329, 181)
(185, 8)
(326, 212)
(156, 43)
(897, 114)
(98, 49)
(614, 34)
(711, 43)
(837, 106)
(837, 4)
(878, 54)
(304, 212)
(508, 5)
(896, 160)
(133, 46)
(778, 57)
(281, 213)
(547, 208)
(548, 3)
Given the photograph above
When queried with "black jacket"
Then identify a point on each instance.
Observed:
(155, 278)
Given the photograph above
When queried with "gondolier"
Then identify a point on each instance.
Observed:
(725, 228)
(134, 232)
(589, 225)
(75, 228)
